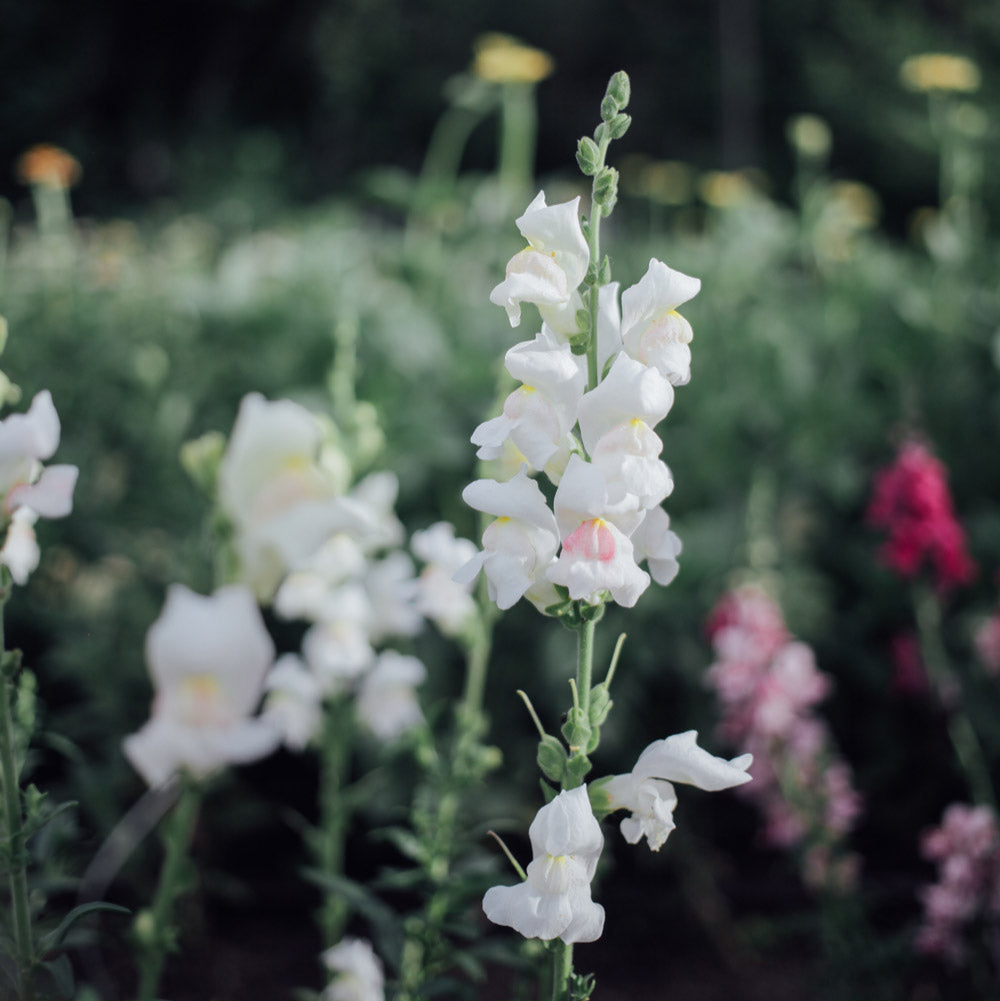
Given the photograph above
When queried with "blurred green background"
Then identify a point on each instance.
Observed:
(255, 193)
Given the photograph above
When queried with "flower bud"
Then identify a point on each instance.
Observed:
(588, 156)
(609, 108)
(619, 89)
(576, 729)
(606, 189)
(552, 757)
(577, 768)
(618, 125)
(600, 704)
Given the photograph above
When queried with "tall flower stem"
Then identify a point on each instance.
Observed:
(335, 813)
(562, 969)
(155, 928)
(13, 817)
(594, 242)
(585, 663)
(964, 738)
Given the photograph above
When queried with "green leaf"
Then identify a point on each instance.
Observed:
(552, 757)
(61, 972)
(55, 937)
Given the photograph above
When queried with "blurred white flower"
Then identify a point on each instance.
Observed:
(391, 587)
(208, 657)
(554, 901)
(549, 270)
(387, 700)
(358, 974)
(294, 701)
(654, 542)
(647, 790)
(29, 490)
(443, 600)
(282, 502)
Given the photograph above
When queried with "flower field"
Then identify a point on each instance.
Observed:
(480, 585)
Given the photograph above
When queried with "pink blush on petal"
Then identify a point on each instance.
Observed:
(593, 540)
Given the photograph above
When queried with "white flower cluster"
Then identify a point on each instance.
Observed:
(598, 446)
(555, 899)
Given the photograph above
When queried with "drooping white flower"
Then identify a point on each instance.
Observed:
(554, 901)
(294, 701)
(597, 554)
(653, 332)
(442, 599)
(358, 973)
(387, 699)
(648, 793)
(208, 657)
(519, 546)
(549, 270)
(282, 502)
(27, 489)
(538, 416)
(654, 542)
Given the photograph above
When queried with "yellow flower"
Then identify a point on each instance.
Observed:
(723, 189)
(940, 71)
(503, 59)
(49, 165)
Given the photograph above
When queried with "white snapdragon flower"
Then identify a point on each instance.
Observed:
(376, 496)
(653, 332)
(387, 699)
(539, 416)
(648, 792)
(445, 601)
(282, 501)
(597, 554)
(616, 423)
(519, 546)
(208, 657)
(311, 592)
(27, 489)
(294, 701)
(554, 901)
(358, 973)
(654, 542)
(391, 586)
(339, 650)
(549, 270)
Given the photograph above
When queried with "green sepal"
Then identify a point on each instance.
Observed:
(588, 156)
(618, 126)
(600, 704)
(601, 134)
(619, 89)
(581, 986)
(592, 613)
(609, 108)
(604, 275)
(600, 801)
(576, 770)
(606, 189)
(577, 728)
(582, 318)
(578, 343)
(552, 757)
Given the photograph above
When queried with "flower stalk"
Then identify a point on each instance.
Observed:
(13, 816)
(155, 928)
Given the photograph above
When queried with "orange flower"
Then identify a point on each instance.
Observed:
(49, 165)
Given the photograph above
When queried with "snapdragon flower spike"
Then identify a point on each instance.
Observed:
(550, 269)
(538, 416)
(648, 792)
(519, 546)
(616, 423)
(554, 901)
(653, 332)
(29, 490)
(208, 657)
(597, 555)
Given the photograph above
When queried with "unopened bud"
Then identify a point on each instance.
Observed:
(609, 108)
(552, 757)
(588, 156)
(618, 125)
(619, 89)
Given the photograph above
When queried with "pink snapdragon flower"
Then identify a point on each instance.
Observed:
(966, 849)
(911, 500)
(768, 686)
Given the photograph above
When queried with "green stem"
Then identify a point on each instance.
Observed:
(964, 738)
(518, 126)
(13, 817)
(594, 242)
(158, 934)
(562, 968)
(335, 813)
(585, 663)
